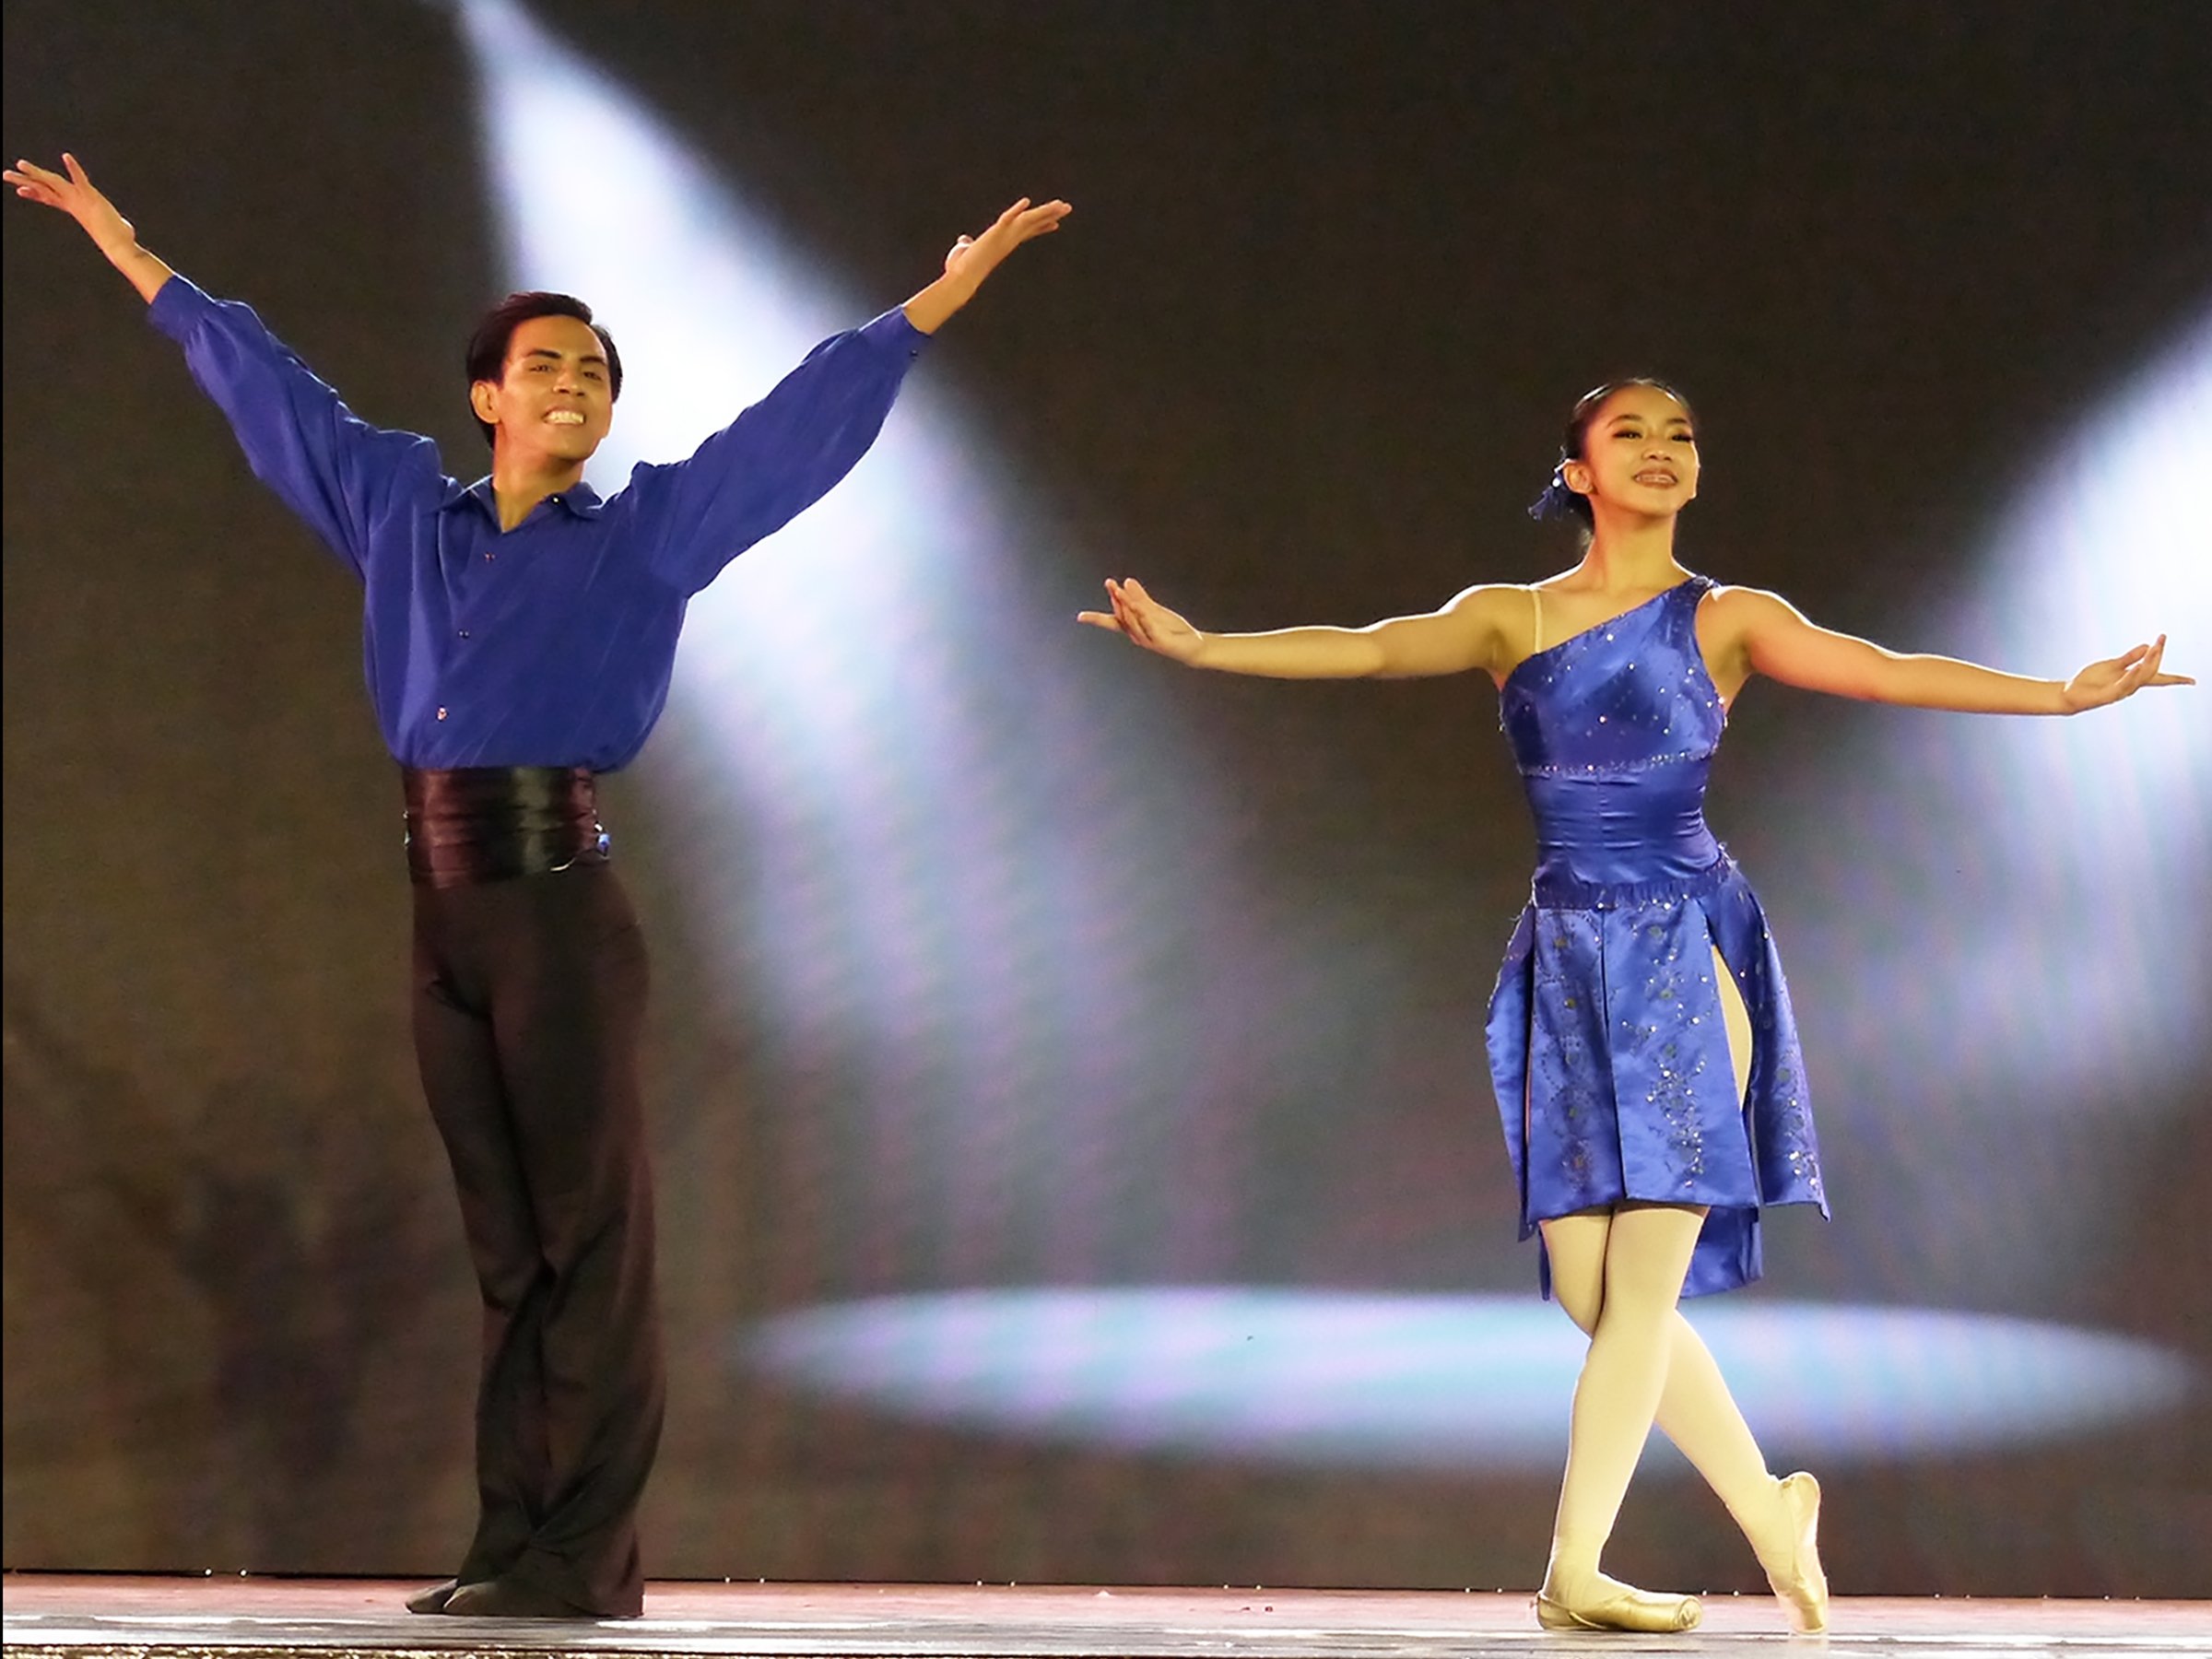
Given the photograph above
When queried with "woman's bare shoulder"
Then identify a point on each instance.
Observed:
(1738, 602)
(1486, 599)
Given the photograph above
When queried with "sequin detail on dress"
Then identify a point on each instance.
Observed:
(1607, 1038)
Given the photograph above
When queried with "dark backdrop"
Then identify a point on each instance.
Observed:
(1334, 274)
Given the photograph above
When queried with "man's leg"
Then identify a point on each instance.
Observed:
(568, 1010)
(461, 1080)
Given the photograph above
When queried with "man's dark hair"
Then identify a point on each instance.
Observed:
(487, 347)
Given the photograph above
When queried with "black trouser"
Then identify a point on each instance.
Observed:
(529, 997)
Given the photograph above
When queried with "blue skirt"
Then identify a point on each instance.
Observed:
(1608, 1049)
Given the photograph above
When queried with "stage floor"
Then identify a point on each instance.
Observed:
(118, 1617)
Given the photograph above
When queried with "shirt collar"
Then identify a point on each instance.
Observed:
(580, 500)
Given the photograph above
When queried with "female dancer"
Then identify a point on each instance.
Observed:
(1641, 1040)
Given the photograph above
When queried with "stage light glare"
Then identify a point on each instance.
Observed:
(892, 800)
(1438, 1382)
(1990, 925)
(949, 883)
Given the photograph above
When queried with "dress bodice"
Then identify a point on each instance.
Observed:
(1613, 730)
(1608, 1034)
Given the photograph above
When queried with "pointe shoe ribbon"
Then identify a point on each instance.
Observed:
(1801, 1587)
(1628, 1611)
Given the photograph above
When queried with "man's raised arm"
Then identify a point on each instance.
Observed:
(75, 194)
(789, 450)
(972, 258)
(333, 470)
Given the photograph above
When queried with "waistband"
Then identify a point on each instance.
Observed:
(1558, 890)
(472, 824)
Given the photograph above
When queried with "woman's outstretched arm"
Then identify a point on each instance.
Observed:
(1470, 632)
(1762, 634)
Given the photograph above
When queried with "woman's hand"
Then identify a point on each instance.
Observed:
(2115, 678)
(1145, 621)
(1463, 635)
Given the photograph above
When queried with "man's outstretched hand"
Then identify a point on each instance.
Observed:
(977, 255)
(972, 258)
(74, 193)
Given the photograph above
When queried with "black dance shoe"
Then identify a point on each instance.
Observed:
(434, 1600)
(512, 1598)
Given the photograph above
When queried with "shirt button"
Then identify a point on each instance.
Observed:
(441, 714)
(464, 634)
(491, 556)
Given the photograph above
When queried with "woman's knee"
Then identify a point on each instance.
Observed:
(1582, 1304)
(1649, 1248)
(1574, 1248)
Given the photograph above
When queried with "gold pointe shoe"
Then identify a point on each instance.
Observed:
(1628, 1609)
(1803, 1589)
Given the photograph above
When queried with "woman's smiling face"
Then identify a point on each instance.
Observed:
(1639, 453)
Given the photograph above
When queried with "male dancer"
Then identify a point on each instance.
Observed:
(520, 633)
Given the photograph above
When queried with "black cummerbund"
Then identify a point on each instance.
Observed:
(473, 824)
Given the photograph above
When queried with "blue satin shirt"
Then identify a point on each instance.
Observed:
(550, 644)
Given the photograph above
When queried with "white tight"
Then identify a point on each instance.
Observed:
(1618, 1275)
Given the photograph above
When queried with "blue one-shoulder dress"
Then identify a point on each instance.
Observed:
(1607, 1043)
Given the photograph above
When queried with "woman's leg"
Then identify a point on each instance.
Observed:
(1647, 1249)
(1780, 1517)
(1696, 1411)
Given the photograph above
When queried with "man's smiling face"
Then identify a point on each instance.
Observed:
(555, 396)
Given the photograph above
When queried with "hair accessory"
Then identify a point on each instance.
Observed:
(1558, 501)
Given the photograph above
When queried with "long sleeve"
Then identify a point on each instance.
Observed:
(336, 471)
(776, 459)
